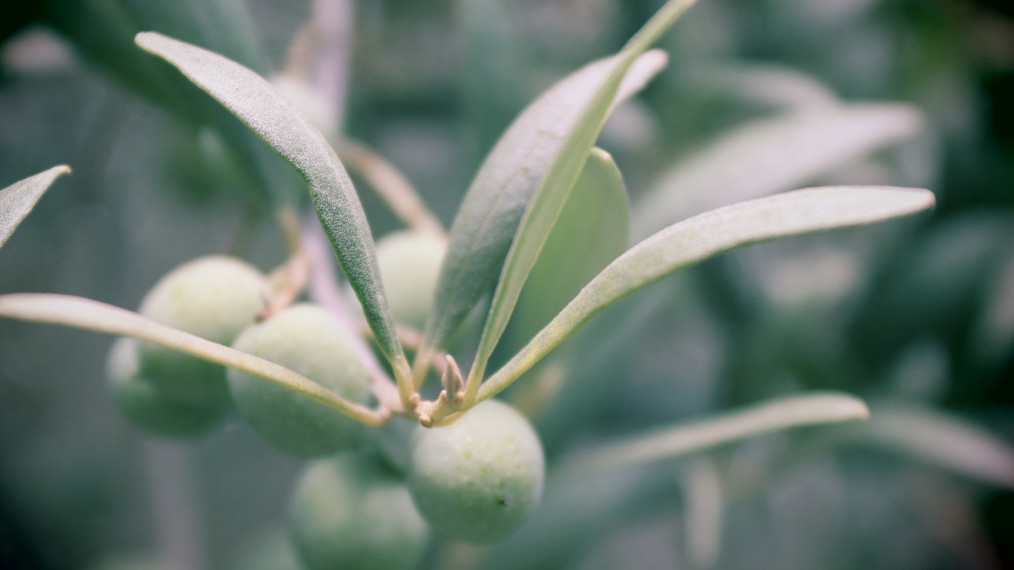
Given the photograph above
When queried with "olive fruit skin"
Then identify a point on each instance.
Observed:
(352, 512)
(213, 297)
(409, 264)
(309, 340)
(148, 408)
(479, 478)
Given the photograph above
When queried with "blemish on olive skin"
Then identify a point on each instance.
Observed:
(502, 501)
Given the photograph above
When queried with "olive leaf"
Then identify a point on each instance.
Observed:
(18, 199)
(87, 314)
(703, 236)
(567, 521)
(939, 439)
(290, 134)
(674, 441)
(523, 183)
(770, 155)
(590, 232)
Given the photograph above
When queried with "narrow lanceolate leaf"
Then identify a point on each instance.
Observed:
(768, 156)
(706, 235)
(942, 440)
(590, 232)
(291, 135)
(530, 172)
(17, 200)
(671, 442)
(87, 314)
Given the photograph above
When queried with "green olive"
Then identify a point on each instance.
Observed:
(409, 267)
(148, 408)
(310, 341)
(213, 297)
(352, 512)
(479, 478)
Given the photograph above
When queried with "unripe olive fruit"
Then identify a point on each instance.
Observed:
(479, 478)
(311, 341)
(213, 297)
(352, 512)
(148, 408)
(409, 267)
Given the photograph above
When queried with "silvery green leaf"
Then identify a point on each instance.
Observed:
(770, 155)
(940, 439)
(703, 236)
(290, 134)
(674, 441)
(764, 84)
(591, 231)
(524, 182)
(88, 314)
(18, 199)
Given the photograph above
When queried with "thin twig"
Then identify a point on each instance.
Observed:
(391, 185)
(292, 277)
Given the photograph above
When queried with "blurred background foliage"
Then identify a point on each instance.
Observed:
(916, 317)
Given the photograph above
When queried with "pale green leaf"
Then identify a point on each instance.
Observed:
(291, 135)
(590, 232)
(78, 312)
(770, 155)
(940, 439)
(17, 200)
(674, 441)
(706, 235)
(529, 173)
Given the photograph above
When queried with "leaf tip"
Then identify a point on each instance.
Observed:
(836, 407)
(148, 41)
(60, 170)
(852, 408)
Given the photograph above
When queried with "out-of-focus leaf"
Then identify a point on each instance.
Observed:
(702, 497)
(523, 184)
(770, 85)
(670, 442)
(688, 242)
(768, 156)
(590, 232)
(18, 199)
(940, 439)
(291, 135)
(78, 312)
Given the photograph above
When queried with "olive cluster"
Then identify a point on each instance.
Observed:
(476, 479)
